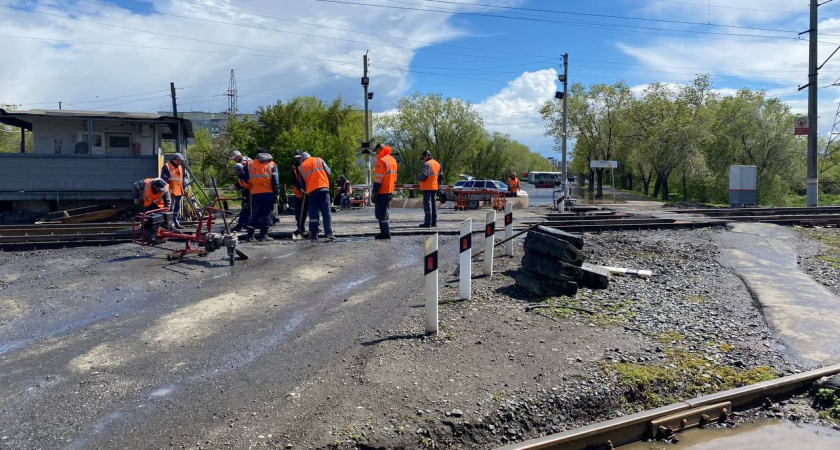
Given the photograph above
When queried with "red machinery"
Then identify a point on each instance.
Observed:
(153, 228)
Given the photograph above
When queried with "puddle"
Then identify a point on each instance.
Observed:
(763, 435)
(801, 311)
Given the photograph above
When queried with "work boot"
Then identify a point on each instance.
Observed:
(262, 238)
(382, 236)
(177, 226)
(236, 228)
(434, 225)
(423, 225)
(250, 237)
(330, 237)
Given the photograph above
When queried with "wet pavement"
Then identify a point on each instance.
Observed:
(764, 435)
(802, 312)
(115, 347)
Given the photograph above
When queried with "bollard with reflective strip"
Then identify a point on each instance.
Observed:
(430, 270)
(509, 229)
(489, 242)
(465, 248)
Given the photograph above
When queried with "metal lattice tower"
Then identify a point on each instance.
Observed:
(233, 107)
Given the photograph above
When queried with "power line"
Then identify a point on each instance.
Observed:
(302, 34)
(607, 16)
(546, 20)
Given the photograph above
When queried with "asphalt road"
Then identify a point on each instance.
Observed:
(116, 347)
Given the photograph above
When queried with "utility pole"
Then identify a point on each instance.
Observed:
(175, 114)
(564, 78)
(366, 144)
(812, 197)
(565, 131)
(59, 105)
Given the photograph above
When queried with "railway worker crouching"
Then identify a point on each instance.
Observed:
(152, 193)
(315, 175)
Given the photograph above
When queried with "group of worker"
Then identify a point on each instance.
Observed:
(165, 191)
(259, 182)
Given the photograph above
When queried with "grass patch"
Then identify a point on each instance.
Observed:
(828, 401)
(684, 375)
(696, 298)
(667, 337)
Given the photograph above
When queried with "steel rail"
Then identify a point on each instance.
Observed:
(628, 429)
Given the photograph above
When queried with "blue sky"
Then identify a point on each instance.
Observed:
(502, 55)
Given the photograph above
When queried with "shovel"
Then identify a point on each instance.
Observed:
(297, 235)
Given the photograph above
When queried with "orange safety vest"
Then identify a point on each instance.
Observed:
(385, 173)
(431, 182)
(295, 190)
(259, 176)
(149, 197)
(314, 174)
(513, 185)
(176, 179)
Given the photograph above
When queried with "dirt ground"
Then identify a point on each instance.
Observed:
(497, 373)
(322, 346)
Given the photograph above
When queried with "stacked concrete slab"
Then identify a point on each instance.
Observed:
(553, 265)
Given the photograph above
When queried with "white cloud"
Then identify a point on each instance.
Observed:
(52, 64)
(515, 109)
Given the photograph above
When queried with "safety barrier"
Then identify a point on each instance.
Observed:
(430, 262)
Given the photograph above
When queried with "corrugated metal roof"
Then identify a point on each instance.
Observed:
(17, 118)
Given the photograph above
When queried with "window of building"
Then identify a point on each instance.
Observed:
(118, 144)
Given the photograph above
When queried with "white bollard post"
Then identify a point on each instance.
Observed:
(489, 242)
(465, 247)
(430, 269)
(509, 229)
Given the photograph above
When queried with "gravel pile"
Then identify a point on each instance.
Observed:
(819, 256)
(693, 323)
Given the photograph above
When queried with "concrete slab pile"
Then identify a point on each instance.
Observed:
(553, 265)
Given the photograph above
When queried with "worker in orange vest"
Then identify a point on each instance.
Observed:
(244, 188)
(513, 185)
(302, 205)
(315, 175)
(384, 178)
(430, 180)
(264, 180)
(173, 173)
(152, 194)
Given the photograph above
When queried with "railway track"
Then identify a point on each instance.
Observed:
(20, 237)
(679, 416)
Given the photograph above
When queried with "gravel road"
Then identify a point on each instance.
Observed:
(322, 346)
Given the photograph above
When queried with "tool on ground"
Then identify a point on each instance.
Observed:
(641, 273)
(297, 235)
(153, 228)
(503, 241)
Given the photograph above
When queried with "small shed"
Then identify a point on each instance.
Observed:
(84, 155)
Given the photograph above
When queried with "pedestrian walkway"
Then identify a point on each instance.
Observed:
(803, 313)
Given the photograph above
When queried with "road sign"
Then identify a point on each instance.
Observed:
(599, 164)
(801, 128)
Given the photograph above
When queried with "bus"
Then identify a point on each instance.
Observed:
(545, 179)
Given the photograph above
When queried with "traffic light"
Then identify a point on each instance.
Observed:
(558, 95)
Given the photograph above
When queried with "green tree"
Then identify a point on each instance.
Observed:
(597, 122)
(449, 128)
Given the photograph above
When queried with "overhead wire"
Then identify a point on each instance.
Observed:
(607, 16)
(547, 20)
